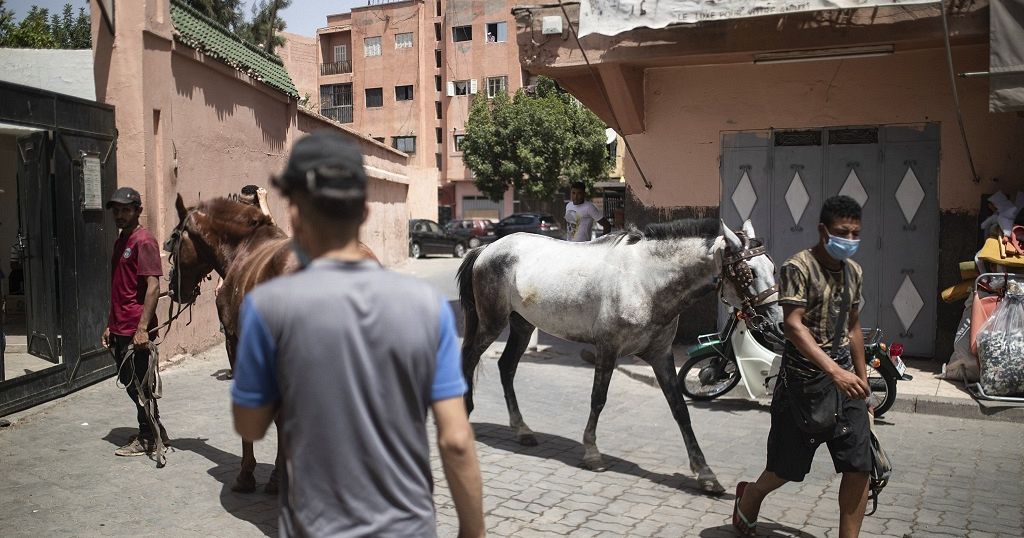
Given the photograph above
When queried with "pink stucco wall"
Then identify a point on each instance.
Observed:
(686, 109)
(190, 125)
(299, 56)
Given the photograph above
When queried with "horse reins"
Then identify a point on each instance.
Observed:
(173, 248)
(738, 271)
(151, 380)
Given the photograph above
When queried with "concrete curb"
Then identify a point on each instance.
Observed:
(905, 403)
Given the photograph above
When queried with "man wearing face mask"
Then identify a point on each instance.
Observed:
(820, 344)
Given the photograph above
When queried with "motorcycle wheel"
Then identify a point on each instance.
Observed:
(883, 390)
(707, 378)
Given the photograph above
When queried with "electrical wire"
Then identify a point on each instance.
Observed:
(604, 93)
(956, 95)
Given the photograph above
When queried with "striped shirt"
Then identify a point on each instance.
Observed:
(804, 282)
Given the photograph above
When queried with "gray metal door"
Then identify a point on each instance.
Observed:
(38, 245)
(745, 174)
(796, 192)
(910, 244)
(854, 168)
(891, 171)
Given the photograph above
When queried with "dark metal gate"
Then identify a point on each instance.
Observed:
(65, 171)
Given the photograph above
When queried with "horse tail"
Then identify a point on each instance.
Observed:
(464, 276)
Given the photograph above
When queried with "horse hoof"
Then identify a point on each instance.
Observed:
(527, 439)
(710, 485)
(244, 484)
(595, 464)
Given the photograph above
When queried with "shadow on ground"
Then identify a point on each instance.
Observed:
(258, 508)
(763, 529)
(570, 452)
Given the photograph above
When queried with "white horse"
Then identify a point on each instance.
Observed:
(623, 293)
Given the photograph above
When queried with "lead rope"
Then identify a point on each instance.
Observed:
(152, 381)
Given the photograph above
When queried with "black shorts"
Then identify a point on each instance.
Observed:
(790, 450)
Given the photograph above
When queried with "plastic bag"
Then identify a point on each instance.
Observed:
(962, 363)
(1001, 345)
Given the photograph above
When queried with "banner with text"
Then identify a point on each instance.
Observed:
(610, 17)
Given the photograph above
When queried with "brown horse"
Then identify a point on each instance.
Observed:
(245, 248)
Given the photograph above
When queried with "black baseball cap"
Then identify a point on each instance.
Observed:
(326, 165)
(125, 195)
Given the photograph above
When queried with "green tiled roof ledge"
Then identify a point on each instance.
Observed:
(202, 33)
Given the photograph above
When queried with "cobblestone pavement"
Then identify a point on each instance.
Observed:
(58, 475)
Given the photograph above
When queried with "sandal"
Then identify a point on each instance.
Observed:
(739, 521)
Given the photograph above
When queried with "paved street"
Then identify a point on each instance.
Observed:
(58, 475)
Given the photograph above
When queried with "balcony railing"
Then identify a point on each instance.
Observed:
(340, 114)
(336, 68)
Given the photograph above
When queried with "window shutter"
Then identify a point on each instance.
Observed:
(472, 85)
(451, 88)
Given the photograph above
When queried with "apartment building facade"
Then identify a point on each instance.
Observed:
(405, 73)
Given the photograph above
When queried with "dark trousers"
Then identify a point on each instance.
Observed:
(135, 368)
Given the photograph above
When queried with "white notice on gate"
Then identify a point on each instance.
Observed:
(92, 182)
(610, 17)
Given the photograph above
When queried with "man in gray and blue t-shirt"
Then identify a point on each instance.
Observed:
(352, 356)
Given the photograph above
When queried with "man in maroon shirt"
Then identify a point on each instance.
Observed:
(135, 288)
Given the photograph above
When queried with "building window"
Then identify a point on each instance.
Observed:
(371, 46)
(374, 97)
(341, 53)
(462, 33)
(336, 102)
(403, 41)
(440, 134)
(459, 138)
(437, 109)
(406, 144)
(497, 32)
(437, 9)
(379, 139)
(462, 87)
(403, 93)
(496, 85)
(438, 159)
(437, 60)
(437, 82)
(437, 31)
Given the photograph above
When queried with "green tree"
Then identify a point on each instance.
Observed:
(33, 32)
(226, 12)
(71, 32)
(40, 30)
(536, 143)
(265, 25)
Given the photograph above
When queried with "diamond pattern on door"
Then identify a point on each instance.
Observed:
(744, 197)
(907, 302)
(797, 198)
(854, 188)
(910, 195)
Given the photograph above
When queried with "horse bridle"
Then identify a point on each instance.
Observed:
(173, 249)
(736, 269)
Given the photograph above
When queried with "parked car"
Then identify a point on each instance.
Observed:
(427, 237)
(534, 223)
(475, 232)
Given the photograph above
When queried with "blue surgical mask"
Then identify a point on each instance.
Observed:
(302, 255)
(841, 248)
